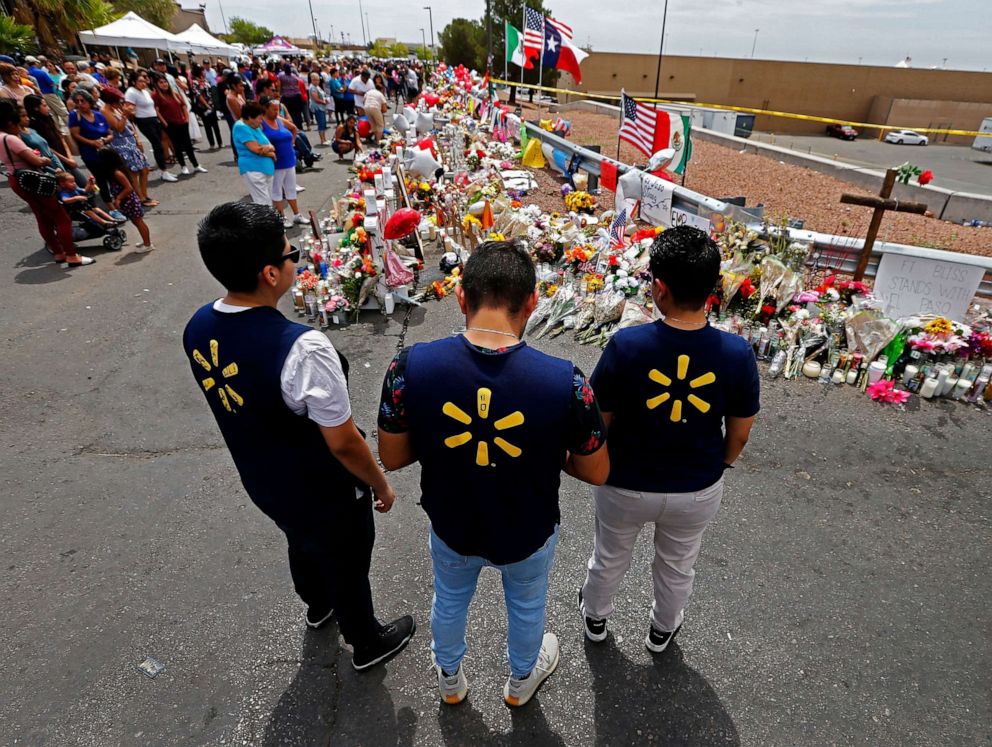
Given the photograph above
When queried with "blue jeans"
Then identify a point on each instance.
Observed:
(321, 116)
(525, 587)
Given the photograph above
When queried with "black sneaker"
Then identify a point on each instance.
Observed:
(318, 618)
(595, 629)
(391, 640)
(657, 640)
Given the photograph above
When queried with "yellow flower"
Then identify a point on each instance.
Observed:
(939, 326)
(551, 290)
(497, 237)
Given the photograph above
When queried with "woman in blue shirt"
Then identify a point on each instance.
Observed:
(91, 130)
(256, 155)
(284, 180)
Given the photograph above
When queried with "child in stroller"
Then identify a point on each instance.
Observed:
(89, 221)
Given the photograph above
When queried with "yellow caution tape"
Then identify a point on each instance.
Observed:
(746, 110)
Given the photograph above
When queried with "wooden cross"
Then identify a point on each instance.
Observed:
(881, 204)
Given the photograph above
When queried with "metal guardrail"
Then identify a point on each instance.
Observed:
(835, 252)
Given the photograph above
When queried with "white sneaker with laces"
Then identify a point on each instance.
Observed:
(453, 689)
(167, 177)
(185, 171)
(518, 692)
(300, 188)
(287, 223)
(301, 219)
(200, 170)
(144, 248)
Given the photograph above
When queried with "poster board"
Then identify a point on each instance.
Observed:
(908, 286)
(656, 200)
(405, 202)
(682, 217)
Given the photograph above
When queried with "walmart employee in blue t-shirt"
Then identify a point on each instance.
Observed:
(679, 398)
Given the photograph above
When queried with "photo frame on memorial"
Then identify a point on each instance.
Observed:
(418, 248)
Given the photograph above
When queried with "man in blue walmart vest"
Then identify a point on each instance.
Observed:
(279, 393)
(492, 423)
(680, 399)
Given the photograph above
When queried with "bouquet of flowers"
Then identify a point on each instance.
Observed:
(440, 289)
(580, 202)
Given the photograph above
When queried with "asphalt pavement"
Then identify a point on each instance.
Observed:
(841, 595)
(956, 167)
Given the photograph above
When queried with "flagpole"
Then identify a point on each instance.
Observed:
(540, 62)
(523, 30)
(621, 124)
(506, 51)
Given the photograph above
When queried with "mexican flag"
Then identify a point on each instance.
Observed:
(673, 132)
(514, 45)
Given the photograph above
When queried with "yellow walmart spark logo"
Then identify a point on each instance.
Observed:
(226, 393)
(683, 369)
(483, 406)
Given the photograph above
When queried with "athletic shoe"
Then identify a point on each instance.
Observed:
(658, 640)
(300, 218)
(83, 262)
(454, 687)
(144, 248)
(168, 177)
(287, 223)
(595, 629)
(318, 618)
(518, 692)
(300, 188)
(391, 640)
(185, 171)
(118, 216)
(200, 170)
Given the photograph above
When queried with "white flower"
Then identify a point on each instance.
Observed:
(621, 273)
(632, 282)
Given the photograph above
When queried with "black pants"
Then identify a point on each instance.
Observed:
(212, 128)
(181, 144)
(100, 177)
(230, 126)
(294, 105)
(330, 559)
(151, 128)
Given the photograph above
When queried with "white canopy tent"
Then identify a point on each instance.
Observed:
(131, 30)
(201, 42)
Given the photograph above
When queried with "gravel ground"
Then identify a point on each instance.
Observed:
(783, 189)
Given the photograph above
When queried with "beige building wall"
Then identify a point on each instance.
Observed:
(960, 99)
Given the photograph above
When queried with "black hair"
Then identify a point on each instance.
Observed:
(237, 240)
(251, 109)
(8, 113)
(688, 261)
(110, 160)
(262, 85)
(265, 101)
(499, 274)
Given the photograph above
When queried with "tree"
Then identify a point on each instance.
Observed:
(56, 22)
(159, 12)
(250, 34)
(399, 49)
(379, 49)
(14, 36)
(423, 53)
(463, 42)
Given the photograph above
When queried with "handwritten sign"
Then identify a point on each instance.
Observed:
(908, 286)
(682, 218)
(656, 200)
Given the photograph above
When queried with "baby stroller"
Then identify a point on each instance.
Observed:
(84, 229)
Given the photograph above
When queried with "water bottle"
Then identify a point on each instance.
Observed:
(776, 365)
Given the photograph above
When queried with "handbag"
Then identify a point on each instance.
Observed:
(34, 182)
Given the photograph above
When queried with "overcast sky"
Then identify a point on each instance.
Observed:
(880, 32)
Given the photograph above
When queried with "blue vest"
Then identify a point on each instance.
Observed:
(237, 362)
(490, 433)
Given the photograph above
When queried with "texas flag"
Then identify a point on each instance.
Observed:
(560, 53)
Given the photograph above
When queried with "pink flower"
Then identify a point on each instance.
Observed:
(885, 391)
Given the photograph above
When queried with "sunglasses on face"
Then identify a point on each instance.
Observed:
(293, 254)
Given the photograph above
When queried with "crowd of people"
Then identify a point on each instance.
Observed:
(95, 121)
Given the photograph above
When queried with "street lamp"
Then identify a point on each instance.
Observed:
(430, 15)
(661, 48)
(755, 44)
(423, 37)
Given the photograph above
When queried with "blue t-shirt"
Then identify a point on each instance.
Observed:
(282, 138)
(669, 391)
(94, 130)
(248, 161)
(45, 82)
(36, 141)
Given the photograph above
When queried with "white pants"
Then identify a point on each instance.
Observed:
(259, 187)
(679, 521)
(284, 185)
(59, 111)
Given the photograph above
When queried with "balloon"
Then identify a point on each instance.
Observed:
(400, 122)
(661, 159)
(410, 115)
(431, 99)
(420, 162)
(401, 223)
(364, 127)
(556, 158)
(425, 123)
(427, 144)
(533, 156)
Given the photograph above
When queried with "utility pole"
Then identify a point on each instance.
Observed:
(316, 36)
(661, 49)
(220, 7)
(361, 17)
(368, 25)
(489, 38)
(755, 44)
(430, 16)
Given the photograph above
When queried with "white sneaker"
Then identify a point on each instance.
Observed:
(167, 177)
(518, 692)
(453, 689)
(287, 223)
(144, 248)
(200, 169)
(301, 219)
(300, 188)
(185, 171)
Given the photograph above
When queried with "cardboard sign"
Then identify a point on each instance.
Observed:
(908, 286)
(682, 218)
(656, 200)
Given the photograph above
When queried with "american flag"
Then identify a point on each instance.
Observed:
(640, 124)
(617, 228)
(533, 33)
(564, 29)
